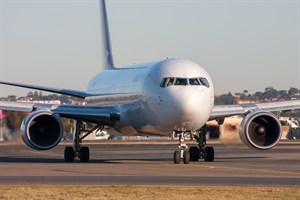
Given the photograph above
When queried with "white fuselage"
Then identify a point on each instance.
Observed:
(147, 105)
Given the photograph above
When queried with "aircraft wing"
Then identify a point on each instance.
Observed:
(74, 93)
(107, 115)
(222, 111)
(69, 92)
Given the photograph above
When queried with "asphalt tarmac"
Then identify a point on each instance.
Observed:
(150, 163)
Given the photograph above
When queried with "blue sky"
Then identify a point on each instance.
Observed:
(242, 44)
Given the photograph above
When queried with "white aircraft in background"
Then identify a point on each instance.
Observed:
(171, 96)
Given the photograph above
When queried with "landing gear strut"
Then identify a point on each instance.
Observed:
(194, 153)
(77, 151)
(182, 152)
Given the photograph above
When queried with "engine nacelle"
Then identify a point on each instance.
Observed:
(42, 130)
(260, 130)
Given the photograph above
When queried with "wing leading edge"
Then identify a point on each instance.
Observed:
(69, 92)
(106, 115)
(222, 111)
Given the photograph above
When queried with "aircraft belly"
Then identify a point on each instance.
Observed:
(138, 118)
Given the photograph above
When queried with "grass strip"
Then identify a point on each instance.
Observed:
(132, 192)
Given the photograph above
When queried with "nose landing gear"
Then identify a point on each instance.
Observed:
(182, 152)
(194, 153)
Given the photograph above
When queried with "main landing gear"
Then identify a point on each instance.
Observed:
(77, 151)
(193, 153)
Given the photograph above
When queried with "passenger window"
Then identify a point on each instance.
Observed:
(194, 81)
(204, 82)
(181, 81)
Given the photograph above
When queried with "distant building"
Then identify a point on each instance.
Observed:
(245, 100)
(41, 101)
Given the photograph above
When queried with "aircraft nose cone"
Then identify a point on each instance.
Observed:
(193, 109)
(188, 102)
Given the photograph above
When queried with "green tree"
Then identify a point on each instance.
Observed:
(292, 91)
(259, 95)
(244, 94)
(12, 98)
(224, 99)
(270, 93)
(30, 95)
(283, 94)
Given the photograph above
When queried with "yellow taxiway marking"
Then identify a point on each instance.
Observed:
(251, 170)
(191, 164)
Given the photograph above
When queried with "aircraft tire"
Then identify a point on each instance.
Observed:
(69, 154)
(176, 157)
(210, 154)
(84, 154)
(186, 157)
(194, 153)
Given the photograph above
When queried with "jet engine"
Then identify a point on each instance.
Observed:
(260, 130)
(42, 130)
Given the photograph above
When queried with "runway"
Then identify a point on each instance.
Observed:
(150, 164)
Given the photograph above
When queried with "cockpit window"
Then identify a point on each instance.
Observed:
(204, 82)
(180, 81)
(163, 82)
(168, 81)
(194, 81)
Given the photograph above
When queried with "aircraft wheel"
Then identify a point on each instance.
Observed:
(177, 157)
(84, 154)
(194, 153)
(69, 154)
(210, 154)
(186, 157)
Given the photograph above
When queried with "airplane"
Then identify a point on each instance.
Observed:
(172, 96)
